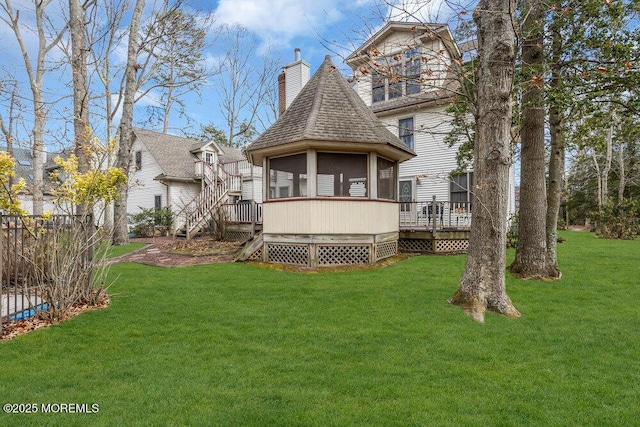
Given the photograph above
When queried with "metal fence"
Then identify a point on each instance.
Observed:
(31, 249)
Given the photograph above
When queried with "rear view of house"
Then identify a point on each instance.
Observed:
(192, 178)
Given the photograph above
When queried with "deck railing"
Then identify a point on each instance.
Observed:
(435, 214)
(239, 167)
(243, 212)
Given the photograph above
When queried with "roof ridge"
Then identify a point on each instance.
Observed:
(317, 99)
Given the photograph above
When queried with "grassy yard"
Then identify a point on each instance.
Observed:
(234, 344)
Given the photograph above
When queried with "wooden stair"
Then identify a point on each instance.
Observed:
(198, 212)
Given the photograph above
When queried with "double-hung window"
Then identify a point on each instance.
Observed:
(405, 131)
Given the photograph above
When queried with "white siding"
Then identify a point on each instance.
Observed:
(434, 67)
(252, 189)
(314, 216)
(297, 75)
(181, 194)
(142, 187)
(26, 203)
(435, 160)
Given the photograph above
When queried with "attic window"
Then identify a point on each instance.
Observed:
(208, 157)
(400, 76)
(138, 160)
(24, 162)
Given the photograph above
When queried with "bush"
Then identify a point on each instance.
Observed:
(148, 221)
(618, 221)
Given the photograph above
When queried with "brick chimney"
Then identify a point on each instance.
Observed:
(293, 78)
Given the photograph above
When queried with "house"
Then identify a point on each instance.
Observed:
(24, 170)
(193, 178)
(329, 178)
(405, 74)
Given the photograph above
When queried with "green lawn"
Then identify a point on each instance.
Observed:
(236, 344)
(116, 251)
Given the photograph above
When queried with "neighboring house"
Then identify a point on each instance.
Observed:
(191, 177)
(24, 169)
(404, 74)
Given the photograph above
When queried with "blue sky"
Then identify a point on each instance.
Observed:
(317, 27)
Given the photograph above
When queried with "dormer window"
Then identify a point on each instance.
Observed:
(208, 157)
(400, 76)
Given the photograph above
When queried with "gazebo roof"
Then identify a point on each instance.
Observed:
(328, 113)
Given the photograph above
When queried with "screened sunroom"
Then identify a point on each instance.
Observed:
(330, 179)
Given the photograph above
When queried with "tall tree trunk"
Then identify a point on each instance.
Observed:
(482, 285)
(121, 232)
(557, 156)
(604, 177)
(7, 128)
(80, 89)
(623, 179)
(36, 78)
(531, 252)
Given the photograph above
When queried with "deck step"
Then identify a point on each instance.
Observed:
(249, 247)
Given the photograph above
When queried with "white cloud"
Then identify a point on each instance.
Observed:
(280, 20)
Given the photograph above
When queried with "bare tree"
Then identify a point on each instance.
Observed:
(79, 48)
(47, 40)
(175, 42)
(482, 286)
(7, 126)
(121, 232)
(243, 83)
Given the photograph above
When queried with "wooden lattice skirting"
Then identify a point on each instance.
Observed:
(328, 251)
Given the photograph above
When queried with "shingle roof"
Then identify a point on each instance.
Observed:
(24, 165)
(328, 110)
(174, 153)
(170, 151)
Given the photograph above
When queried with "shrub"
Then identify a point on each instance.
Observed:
(148, 221)
(618, 220)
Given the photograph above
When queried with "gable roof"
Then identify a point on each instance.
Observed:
(421, 31)
(24, 166)
(328, 110)
(175, 154)
(171, 152)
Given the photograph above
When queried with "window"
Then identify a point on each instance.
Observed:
(461, 186)
(403, 77)
(208, 157)
(342, 175)
(386, 179)
(412, 72)
(405, 131)
(288, 176)
(138, 160)
(395, 82)
(157, 202)
(377, 87)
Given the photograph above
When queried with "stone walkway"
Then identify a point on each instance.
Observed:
(158, 252)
